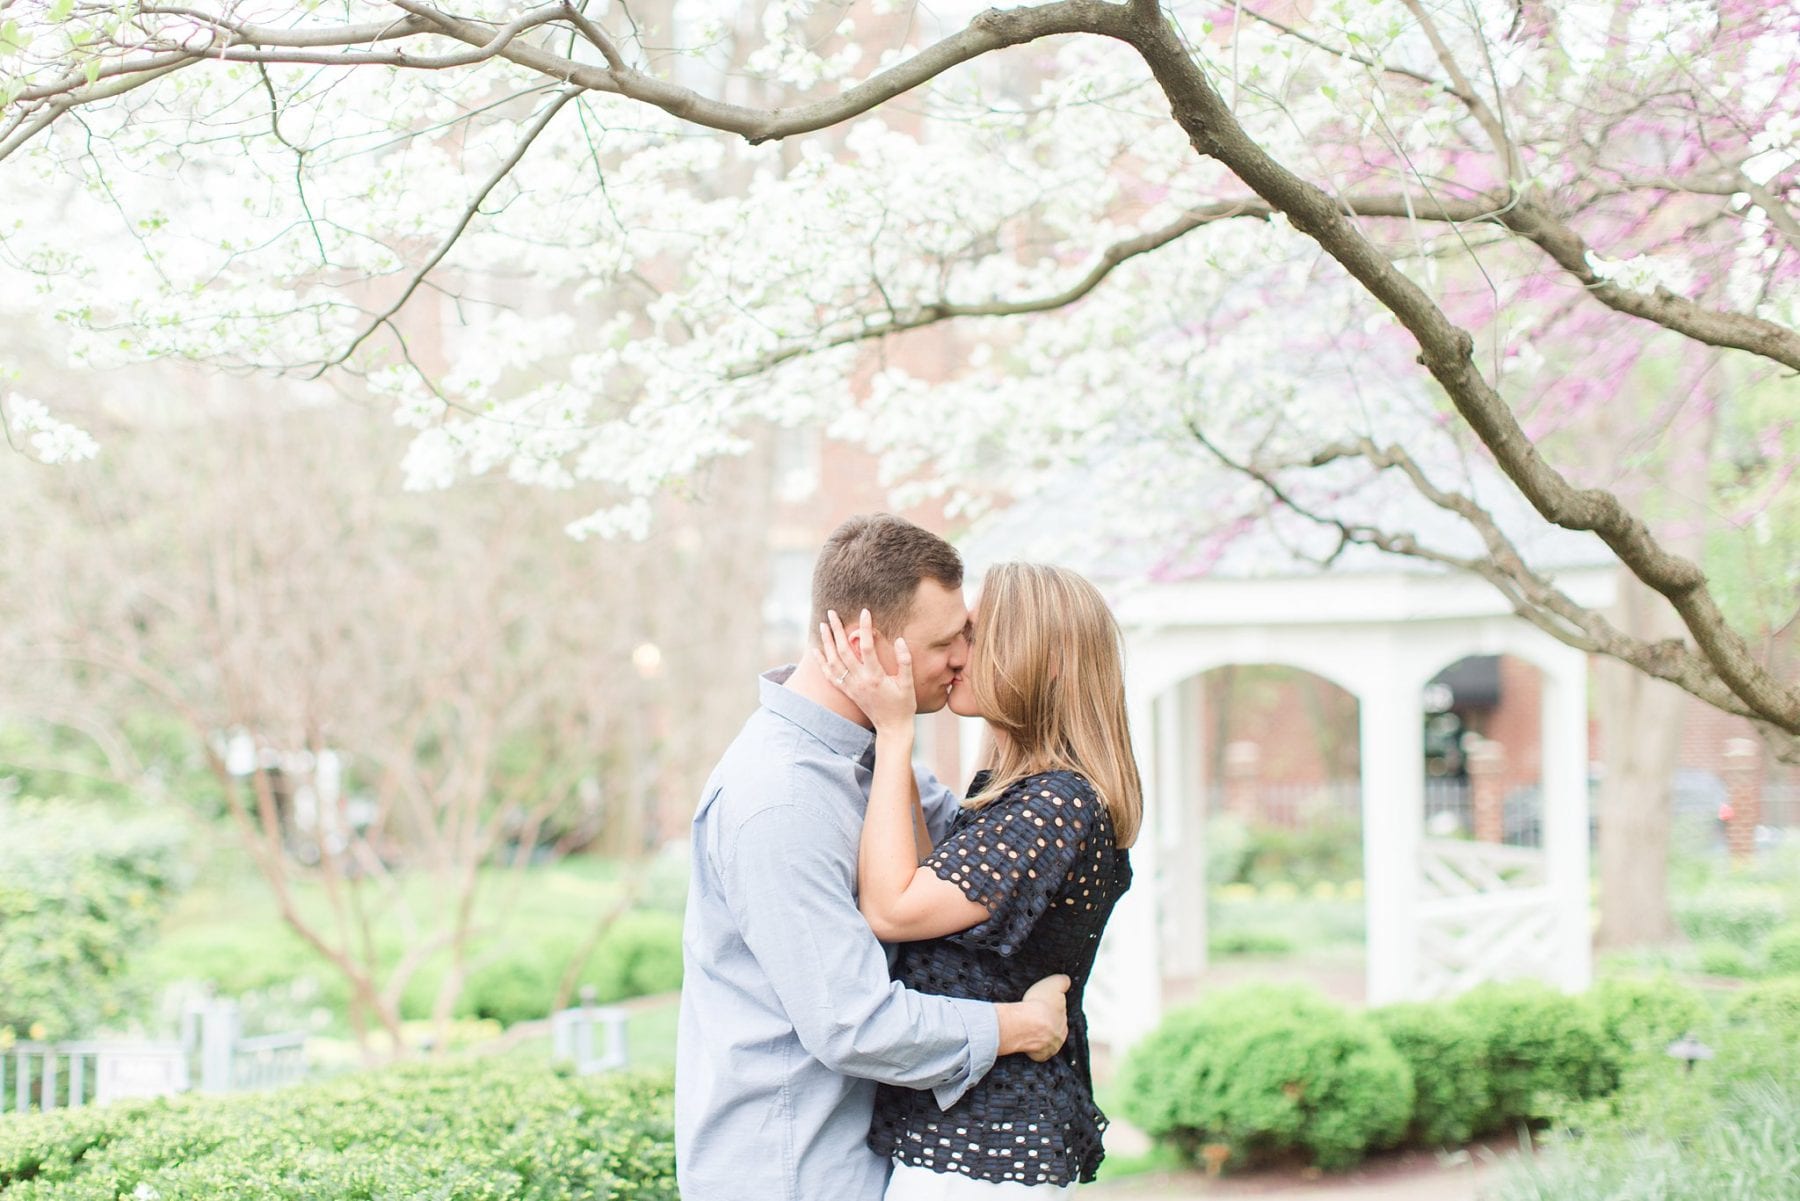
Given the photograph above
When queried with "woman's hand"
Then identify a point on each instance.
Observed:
(888, 701)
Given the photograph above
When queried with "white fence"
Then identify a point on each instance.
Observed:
(211, 1054)
(590, 1037)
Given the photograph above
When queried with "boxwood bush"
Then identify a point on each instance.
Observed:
(81, 887)
(487, 1130)
(1641, 1017)
(639, 955)
(1448, 1058)
(1763, 1029)
(1781, 951)
(1543, 1049)
(1739, 914)
(1267, 1072)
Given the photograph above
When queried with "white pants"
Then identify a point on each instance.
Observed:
(911, 1183)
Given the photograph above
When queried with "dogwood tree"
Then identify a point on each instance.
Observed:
(1330, 245)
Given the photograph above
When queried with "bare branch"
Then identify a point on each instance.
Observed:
(1736, 331)
(468, 214)
(1490, 120)
(1448, 353)
(592, 33)
(987, 31)
(1351, 56)
(1532, 595)
(1110, 259)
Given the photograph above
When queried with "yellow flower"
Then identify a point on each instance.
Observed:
(1325, 890)
(7, 1037)
(37, 1032)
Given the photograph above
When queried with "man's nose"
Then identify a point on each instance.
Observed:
(959, 652)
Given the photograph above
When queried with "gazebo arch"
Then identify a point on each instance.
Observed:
(1442, 914)
(1440, 918)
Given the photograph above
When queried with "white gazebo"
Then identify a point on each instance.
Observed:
(1442, 914)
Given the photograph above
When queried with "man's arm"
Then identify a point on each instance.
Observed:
(791, 893)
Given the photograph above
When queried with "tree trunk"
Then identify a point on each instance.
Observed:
(1641, 720)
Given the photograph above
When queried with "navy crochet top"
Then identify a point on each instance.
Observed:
(1041, 858)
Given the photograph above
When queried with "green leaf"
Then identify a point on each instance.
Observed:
(93, 71)
(61, 11)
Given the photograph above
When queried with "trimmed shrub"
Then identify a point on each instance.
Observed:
(1543, 1050)
(493, 1130)
(640, 955)
(1725, 959)
(1267, 1072)
(1252, 941)
(1741, 914)
(1781, 951)
(81, 888)
(1772, 1006)
(1641, 1017)
(1759, 1038)
(1444, 1050)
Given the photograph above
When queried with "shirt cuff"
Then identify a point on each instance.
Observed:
(981, 1021)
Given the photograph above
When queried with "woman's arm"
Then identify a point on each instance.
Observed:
(902, 901)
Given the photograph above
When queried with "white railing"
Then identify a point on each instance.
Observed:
(589, 1036)
(1486, 914)
(36, 1075)
(67, 1075)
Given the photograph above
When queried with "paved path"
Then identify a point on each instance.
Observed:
(1410, 1177)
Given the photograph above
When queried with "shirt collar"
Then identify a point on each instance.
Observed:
(841, 734)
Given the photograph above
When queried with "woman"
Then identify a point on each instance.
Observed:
(1019, 888)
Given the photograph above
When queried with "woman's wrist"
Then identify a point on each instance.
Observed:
(894, 733)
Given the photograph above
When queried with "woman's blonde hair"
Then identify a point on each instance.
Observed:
(1047, 672)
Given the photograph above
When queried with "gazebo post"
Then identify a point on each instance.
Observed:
(1125, 995)
(1565, 808)
(1181, 818)
(1393, 830)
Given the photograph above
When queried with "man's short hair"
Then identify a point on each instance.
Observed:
(875, 562)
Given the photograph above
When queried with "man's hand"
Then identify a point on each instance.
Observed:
(1037, 1025)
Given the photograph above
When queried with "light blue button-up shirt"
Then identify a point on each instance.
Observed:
(788, 1017)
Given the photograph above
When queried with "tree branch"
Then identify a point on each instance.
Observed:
(1448, 353)
(987, 31)
(1351, 56)
(468, 214)
(1530, 593)
(943, 310)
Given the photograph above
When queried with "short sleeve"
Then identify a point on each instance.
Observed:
(1014, 856)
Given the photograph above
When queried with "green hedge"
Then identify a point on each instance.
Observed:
(1781, 951)
(81, 887)
(1259, 1072)
(639, 956)
(1641, 1017)
(1543, 1049)
(481, 1131)
(1739, 914)
(1772, 1008)
(1265, 1072)
(1447, 1055)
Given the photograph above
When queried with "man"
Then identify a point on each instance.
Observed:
(788, 1018)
